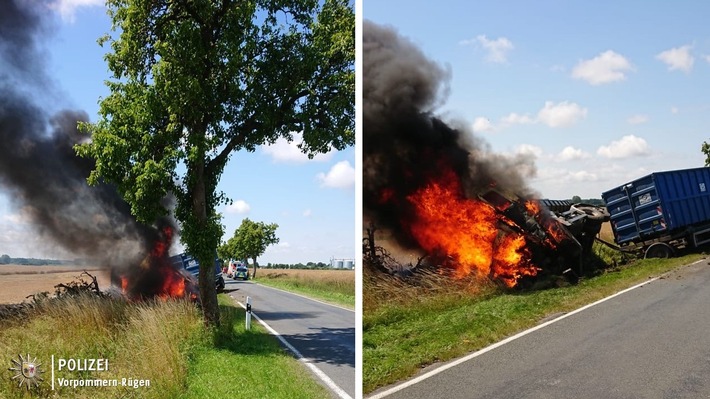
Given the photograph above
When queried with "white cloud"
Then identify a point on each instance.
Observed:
(482, 124)
(678, 58)
(707, 58)
(284, 244)
(674, 110)
(497, 48)
(307, 213)
(553, 115)
(341, 175)
(283, 151)
(559, 175)
(607, 67)
(529, 149)
(629, 146)
(516, 119)
(238, 206)
(637, 119)
(570, 153)
(67, 8)
(561, 115)
(582, 176)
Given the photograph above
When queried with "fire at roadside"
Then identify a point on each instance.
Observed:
(442, 194)
(46, 181)
(156, 276)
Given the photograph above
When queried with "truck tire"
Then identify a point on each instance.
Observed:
(220, 284)
(659, 250)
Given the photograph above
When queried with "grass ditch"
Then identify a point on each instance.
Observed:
(164, 342)
(333, 286)
(406, 328)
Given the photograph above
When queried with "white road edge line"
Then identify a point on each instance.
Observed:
(505, 341)
(318, 372)
(303, 296)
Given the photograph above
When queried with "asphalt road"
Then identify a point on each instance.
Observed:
(651, 342)
(322, 333)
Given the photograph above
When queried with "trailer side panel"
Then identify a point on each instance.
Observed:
(659, 204)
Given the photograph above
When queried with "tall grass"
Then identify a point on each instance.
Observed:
(164, 342)
(149, 340)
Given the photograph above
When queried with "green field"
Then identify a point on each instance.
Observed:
(419, 326)
(333, 286)
(164, 342)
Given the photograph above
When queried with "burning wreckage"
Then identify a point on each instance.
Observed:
(440, 191)
(157, 275)
(506, 237)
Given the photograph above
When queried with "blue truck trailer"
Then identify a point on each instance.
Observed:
(662, 212)
(187, 262)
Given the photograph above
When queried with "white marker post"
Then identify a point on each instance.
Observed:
(248, 321)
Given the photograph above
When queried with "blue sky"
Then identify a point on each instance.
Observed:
(599, 93)
(312, 201)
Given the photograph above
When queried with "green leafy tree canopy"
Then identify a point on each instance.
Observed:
(705, 148)
(250, 240)
(195, 81)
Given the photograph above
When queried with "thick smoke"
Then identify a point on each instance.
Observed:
(405, 144)
(38, 166)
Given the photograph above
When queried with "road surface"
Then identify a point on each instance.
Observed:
(650, 342)
(322, 333)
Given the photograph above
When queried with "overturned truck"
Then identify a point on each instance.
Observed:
(559, 234)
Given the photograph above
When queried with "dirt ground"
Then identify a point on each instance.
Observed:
(19, 281)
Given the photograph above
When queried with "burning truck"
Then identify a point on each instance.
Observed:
(441, 191)
(503, 236)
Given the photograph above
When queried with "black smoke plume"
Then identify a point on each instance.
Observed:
(38, 165)
(405, 144)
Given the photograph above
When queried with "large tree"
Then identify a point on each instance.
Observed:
(250, 240)
(194, 81)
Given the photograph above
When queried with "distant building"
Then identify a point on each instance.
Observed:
(342, 263)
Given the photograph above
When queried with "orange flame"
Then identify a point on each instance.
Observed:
(156, 276)
(552, 227)
(173, 285)
(512, 260)
(533, 207)
(466, 230)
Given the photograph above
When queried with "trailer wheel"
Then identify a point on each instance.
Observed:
(659, 250)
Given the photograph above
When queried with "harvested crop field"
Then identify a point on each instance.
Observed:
(606, 233)
(320, 275)
(19, 281)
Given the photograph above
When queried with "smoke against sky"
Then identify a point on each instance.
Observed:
(595, 108)
(39, 168)
(404, 143)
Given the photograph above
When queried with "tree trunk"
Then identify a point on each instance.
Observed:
(253, 275)
(205, 255)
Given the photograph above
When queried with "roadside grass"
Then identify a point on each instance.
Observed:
(247, 364)
(150, 340)
(164, 342)
(400, 337)
(333, 286)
